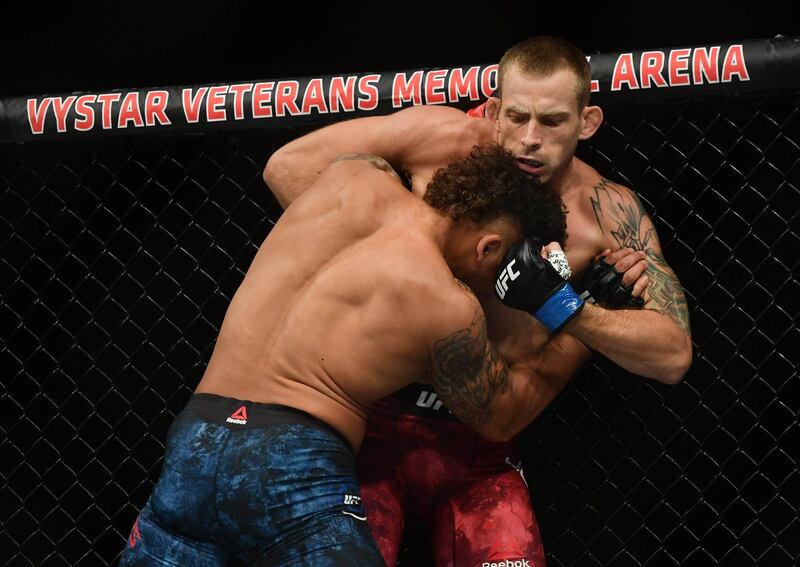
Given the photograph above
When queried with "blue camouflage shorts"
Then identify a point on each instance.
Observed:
(259, 484)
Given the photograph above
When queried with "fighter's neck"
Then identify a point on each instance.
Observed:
(459, 249)
(569, 179)
(439, 227)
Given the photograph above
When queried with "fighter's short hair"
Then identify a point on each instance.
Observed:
(543, 55)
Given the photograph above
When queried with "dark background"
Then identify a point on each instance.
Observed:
(87, 46)
(118, 258)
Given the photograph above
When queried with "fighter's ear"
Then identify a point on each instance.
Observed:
(489, 245)
(493, 109)
(592, 118)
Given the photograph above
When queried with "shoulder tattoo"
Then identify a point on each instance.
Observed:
(621, 214)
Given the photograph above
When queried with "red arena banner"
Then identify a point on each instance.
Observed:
(632, 76)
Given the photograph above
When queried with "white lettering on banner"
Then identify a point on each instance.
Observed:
(238, 99)
(314, 97)
(262, 98)
(335, 94)
(107, 100)
(463, 85)
(366, 85)
(407, 90)
(672, 68)
(85, 112)
(60, 109)
(37, 114)
(286, 98)
(215, 104)
(191, 104)
(436, 87)
(155, 108)
(342, 93)
(129, 111)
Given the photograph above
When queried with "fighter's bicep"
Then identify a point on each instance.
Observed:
(467, 371)
(664, 292)
(516, 334)
(624, 223)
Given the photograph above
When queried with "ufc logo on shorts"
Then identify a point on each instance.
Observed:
(502, 281)
(429, 399)
(352, 500)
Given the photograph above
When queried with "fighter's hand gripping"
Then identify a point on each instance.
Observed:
(529, 282)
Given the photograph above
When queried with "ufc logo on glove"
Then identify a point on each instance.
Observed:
(530, 283)
(508, 273)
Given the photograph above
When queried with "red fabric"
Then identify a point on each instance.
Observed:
(477, 112)
(467, 490)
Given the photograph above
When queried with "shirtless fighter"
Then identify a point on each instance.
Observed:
(359, 289)
(470, 491)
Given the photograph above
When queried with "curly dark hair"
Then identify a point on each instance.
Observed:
(488, 184)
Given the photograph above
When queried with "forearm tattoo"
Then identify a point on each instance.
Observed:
(622, 214)
(468, 373)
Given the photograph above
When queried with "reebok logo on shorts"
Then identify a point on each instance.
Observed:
(238, 417)
(507, 563)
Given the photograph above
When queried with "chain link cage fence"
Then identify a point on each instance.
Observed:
(119, 256)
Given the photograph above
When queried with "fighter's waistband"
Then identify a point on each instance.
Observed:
(417, 399)
(244, 414)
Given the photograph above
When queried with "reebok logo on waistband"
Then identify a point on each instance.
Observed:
(507, 563)
(238, 417)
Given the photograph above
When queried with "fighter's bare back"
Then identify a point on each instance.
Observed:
(336, 309)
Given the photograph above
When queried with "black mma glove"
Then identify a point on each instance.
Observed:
(528, 282)
(603, 285)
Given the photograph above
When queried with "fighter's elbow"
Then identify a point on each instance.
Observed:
(496, 434)
(267, 174)
(680, 361)
(501, 428)
(276, 176)
(274, 169)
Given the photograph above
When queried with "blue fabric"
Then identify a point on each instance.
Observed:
(282, 494)
(559, 308)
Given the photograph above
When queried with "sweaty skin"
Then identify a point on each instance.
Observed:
(317, 287)
(538, 121)
(420, 141)
(541, 121)
(352, 296)
(542, 129)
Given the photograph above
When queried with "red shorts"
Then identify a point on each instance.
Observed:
(471, 493)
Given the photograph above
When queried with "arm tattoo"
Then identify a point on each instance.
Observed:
(467, 372)
(622, 213)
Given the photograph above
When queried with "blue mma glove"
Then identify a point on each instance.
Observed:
(528, 282)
